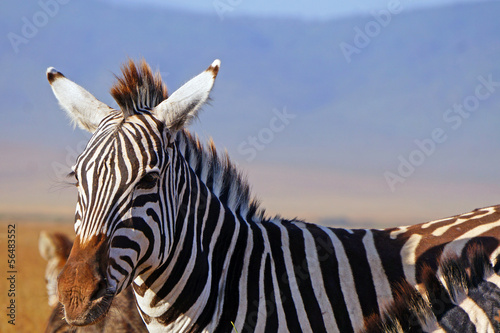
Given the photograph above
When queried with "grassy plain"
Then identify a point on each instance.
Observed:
(31, 307)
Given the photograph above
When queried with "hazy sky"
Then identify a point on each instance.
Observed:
(305, 9)
(351, 129)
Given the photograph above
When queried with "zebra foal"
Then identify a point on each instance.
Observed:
(162, 212)
(123, 315)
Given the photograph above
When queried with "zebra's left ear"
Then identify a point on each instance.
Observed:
(46, 246)
(182, 106)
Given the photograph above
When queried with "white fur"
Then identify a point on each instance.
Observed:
(185, 102)
(176, 111)
(82, 107)
(381, 282)
(409, 258)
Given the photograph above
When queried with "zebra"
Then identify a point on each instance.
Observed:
(54, 248)
(463, 298)
(173, 217)
(123, 315)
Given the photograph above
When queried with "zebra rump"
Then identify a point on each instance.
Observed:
(464, 296)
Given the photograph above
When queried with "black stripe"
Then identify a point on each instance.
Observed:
(390, 255)
(363, 279)
(123, 242)
(270, 299)
(219, 255)
(213, 216)
(198, 279)
(112, 262)
(183, 259)
(282, 276)
(301, 269)
(253, 279)
(232, 289)
(330, 270)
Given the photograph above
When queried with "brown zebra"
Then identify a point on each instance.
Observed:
(160, 211)
(463, 298)
(123, 315)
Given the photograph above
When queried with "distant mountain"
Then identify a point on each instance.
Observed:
(361, 90)
(322, 9)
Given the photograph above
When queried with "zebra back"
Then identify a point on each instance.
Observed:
(464, 296)
(122, 316)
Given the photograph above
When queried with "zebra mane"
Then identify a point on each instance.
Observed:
(219, 174)
(138, 89)
(414, 311)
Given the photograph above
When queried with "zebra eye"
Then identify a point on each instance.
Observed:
(148, 181)
(72, 174)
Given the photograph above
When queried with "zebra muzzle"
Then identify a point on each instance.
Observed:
(82, 286)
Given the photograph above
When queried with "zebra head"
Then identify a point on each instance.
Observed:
(120, 176)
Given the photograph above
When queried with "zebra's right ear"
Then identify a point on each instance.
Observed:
(82, 107)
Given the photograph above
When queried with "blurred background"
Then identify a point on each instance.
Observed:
(362, 113)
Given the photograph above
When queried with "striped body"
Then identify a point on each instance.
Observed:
(463, 298)
(158, 210)
(261, 274)
(281, 275)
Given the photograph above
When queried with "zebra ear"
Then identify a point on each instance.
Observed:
(82, 107)
(182, 106)
(46, 246)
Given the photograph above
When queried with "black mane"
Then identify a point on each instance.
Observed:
(220, 175)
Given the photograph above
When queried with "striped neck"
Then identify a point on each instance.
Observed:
(206, 228)
(220, 176)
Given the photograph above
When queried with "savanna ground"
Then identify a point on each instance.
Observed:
(31, 308)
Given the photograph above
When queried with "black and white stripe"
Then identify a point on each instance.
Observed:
(224, 261)
(463, 298)
(182, 227)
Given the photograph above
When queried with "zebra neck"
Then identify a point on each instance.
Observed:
(221, 177)
(189, 284)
